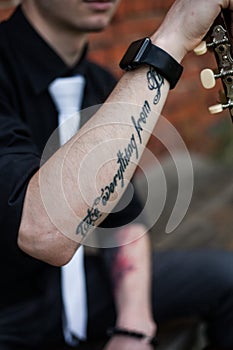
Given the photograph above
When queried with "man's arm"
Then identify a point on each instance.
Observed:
(131, 275)
(50, 225)
(84, 166)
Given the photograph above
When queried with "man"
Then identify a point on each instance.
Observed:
(47, 213)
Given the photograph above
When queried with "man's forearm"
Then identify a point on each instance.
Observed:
(71, 186)
(131, 275)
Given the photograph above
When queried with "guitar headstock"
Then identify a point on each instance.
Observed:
(219, 41)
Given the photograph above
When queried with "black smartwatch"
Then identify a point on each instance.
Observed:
(142, 52)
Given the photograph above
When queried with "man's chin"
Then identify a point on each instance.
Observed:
(96, 27)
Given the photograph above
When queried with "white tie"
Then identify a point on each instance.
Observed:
(67, 94)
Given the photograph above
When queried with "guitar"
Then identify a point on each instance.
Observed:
(219, 40)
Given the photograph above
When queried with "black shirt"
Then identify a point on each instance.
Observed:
(30, 289)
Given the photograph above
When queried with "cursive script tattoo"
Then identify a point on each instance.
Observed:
(144, 114)
(92, 216)
(124, 158)
(155, 82)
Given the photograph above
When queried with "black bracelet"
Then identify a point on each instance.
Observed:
(142, 52)
(125, 332)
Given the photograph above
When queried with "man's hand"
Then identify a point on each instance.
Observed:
(126, 343)
(186, 23)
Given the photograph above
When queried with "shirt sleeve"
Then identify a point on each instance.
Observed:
(19, 160)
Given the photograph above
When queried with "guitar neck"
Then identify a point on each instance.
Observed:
(221, 40)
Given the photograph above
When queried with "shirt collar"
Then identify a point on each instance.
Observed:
(42, 63)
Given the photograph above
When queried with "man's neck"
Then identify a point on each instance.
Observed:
(69, 46)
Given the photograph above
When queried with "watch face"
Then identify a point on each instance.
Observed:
(134, 54)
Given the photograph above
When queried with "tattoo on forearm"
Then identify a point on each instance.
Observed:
(144, 114)
(155, 82)
(123, 160)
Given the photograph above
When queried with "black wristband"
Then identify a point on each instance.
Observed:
(138, 335)
(142, 52)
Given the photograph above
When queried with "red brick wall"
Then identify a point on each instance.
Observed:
(5, 13)
(187, 104)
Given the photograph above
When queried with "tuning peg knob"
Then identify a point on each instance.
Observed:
(201, 49)
(216, 109)
(208, 78)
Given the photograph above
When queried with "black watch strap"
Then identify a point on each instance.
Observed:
(154, 56)
(164, 64)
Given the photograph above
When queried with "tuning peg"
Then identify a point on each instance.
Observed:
(201, 49)
(220, 107)
(216, 109)
(208, 78)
